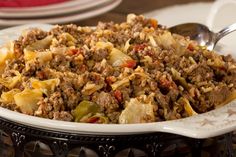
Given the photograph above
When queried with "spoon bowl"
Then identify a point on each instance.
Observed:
(201, 33)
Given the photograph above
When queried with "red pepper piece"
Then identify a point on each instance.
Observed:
(93, 120)
(190, 47)
(82, 68)
(140, 47)
(129, 64)
(109, 80)
(72, 52)
(153, 23)
(118, 95)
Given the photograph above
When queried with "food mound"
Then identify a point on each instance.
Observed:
(132, 72)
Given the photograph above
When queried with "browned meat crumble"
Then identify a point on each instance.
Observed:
(132, 72)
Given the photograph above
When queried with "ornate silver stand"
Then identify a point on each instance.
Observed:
(17, 140)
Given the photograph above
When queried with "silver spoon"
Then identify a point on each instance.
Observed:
(201, 33)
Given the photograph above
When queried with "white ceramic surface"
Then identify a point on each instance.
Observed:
(205, 125)
(76, 7)
(64, 19)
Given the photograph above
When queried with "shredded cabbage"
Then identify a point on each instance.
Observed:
(137, 112)
(46, 86)
(29, 55)
(8, 97)
(119, 83)
(27, 100)
(188, 108)
(6, 52)
(10, 82)
(118, 58)
(39, 44)
(127, 45)
(103, 45)
(166, 40)
(90, 88)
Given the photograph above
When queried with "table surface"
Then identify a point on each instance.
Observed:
(133, 6)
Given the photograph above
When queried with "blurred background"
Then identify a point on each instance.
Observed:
(138, 7)
(82, 12)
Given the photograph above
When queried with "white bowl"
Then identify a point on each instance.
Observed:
(213, 123)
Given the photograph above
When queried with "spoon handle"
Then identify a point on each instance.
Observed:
(225, 31)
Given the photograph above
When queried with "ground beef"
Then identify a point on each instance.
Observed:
(113, 116)
(31, 68)
(32, 35)
(230, 79)
(100, 54)
(63, 115)
(202, 72)
(57, 101)
(69, 95)
(107, 102)
(110, 66)
(162, 100)
(11, 106)
(219, 95)
(15, 64)
(28, 38)
(45, 109)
